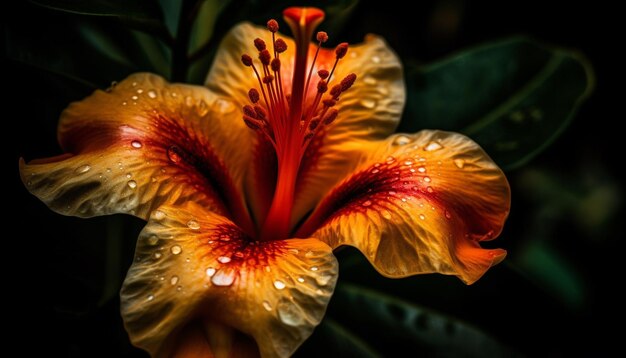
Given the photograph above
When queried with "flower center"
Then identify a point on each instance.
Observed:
(289, 118)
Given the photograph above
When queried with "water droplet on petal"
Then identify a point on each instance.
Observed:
(267, 306)
(132, 184)
(401, 140)
(367, 203)
(421, 169)
(323, 280)
(279, 284)
(314, 268)
(429, 189)
(289, 313)
(223, 278)
(432, 146)
(375, 171)
(448, 215)
(390, 160)
(153, 240)
(139, 91)
(193, 224)
(408, 162)
(135, 144)
(427, 179)
(174, 280)
(134, 98)
(223, 259)
(210, 271)
(422, 216)
(152, 94)
(376, 59)
(159, 215)
(224, 105)
(460, 163)
(300, 279)
(368, 103)
(173, 153)
(176, 249)
(150, 297)
(83, 169)
(157, 255)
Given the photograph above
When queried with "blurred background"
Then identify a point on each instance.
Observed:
(554, 295)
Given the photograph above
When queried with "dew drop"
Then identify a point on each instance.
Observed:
(267, 306)
(139, 91)
(367, 203)
(210, 271)
(421, 169)
(135, 144)
(223, 278)
(447, 214)
(176, 249)
(408, 162)
(174, 280)
(193, 224)
(314, 268)
(223, 259)
(427, 179)
(402, 140)
(376, 59)
(152, 94)
(375, 171)
(159, 215)
(124, 103)
(150, 297)
(289, 313)
(134, 98)
(157, 255)
(300, 279)
(368, 103)
(432, 146)
(390, 160)
(323, 280)
(224, 106)
(460, 163)
(179, 288)
(279, 284)
(422, 216)
(173, 153)
(132, 184)
(129, 175)
(83, 169)
(153, 240)
(429, 189)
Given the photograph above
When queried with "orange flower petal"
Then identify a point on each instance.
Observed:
(141, 144)
(419, 204)
(370, 110)
(194, 267)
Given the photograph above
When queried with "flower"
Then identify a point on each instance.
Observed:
(243, 215)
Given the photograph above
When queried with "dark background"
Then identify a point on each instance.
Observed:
(566, 218)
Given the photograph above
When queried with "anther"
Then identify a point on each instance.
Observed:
(335, 91)
(265, 56)
(260, 112)
(272, 25)
(251, 123)
(323, 74)
(347, 82)
(268, 79)
(330, 116)
(329, 102)
(322, 87)
(275, 65)
(314, 123)
(322, 37)
(247, 60)
(253, 94)
(280, 45)
(259, 44)
(249, 111)
(341, 50)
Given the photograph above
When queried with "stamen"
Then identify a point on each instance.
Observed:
(272, 25)
(249, 111)
(246, 60)
(330, 116)
(280, 45)
(323, 74)
(253, 94)
(259, 44)
(322, 37)
(264, 57)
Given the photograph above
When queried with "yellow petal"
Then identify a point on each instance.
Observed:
(143, 143)
(194, 267)
(419, 204)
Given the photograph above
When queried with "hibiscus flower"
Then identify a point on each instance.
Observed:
(249, 183)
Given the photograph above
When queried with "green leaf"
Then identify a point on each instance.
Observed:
(337, 342)
(145, 14)
(514, 97)
(380, 320)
